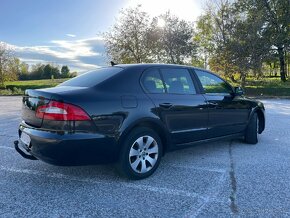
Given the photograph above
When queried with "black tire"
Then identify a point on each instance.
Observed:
(128, 159)
(251, 134)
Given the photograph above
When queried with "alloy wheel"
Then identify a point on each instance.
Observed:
(143, 154)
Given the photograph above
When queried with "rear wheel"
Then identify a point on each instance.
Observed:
(140, 154)
(251, 135)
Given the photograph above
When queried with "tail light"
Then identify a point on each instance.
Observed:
(61, 111)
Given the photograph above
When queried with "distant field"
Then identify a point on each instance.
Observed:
(18, 87)
(34, 84)
(267, 87)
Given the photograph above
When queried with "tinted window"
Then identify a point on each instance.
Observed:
(92, 78)
(178, 81)
(152, 81)
(212, 83)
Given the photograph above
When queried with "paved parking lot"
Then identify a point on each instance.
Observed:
(225, 178)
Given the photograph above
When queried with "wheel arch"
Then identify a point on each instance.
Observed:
(261, 116)
(153, 124)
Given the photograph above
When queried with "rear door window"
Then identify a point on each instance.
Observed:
(178, 81)
(152, 82)
(92, 78)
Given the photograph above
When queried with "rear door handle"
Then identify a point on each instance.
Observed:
(213, 103)
(165, 105)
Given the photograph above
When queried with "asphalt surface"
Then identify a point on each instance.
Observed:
(220, 179)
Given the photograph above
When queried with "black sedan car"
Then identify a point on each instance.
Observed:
(133, 114)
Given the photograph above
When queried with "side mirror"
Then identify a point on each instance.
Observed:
(239, 91)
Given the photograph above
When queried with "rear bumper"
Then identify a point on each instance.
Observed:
(62, 148)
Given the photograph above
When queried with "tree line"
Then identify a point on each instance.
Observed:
(11, 68)
(235, 38)
(46, 71)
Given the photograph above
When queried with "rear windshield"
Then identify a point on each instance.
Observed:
(92, 78)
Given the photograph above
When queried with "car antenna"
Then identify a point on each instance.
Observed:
(113, 63)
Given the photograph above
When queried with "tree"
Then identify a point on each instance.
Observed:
(24, 71)
(233, 39)
(126, 42)
(277, 19)
(36, 71)
(14, 68)
(8, 64)
(176, 40)
(203, 39)
(213, 36)
(65, 72)
(137, 38)
(50, 71)
(222, 43)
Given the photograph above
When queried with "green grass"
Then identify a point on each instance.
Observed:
(267, 87)
(34, 84)
(273, 82)
(18, 87)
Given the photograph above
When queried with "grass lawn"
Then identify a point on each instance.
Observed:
(267, 87)
(18, 87)
(34, 84)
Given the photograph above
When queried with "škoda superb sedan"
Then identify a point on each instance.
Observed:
(133, 114)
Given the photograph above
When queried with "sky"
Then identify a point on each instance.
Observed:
(68, 32)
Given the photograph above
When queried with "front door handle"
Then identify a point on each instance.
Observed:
(165, 105)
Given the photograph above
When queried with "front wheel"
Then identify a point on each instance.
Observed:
(140, 154)
(251, 134)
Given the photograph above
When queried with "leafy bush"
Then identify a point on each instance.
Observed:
(5, 92)
(17, 91)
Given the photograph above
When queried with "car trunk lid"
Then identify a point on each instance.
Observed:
(34, 98)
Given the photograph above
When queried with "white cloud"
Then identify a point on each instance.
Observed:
(64, 49)
(32, 61)
(70, 35)
(81, 55)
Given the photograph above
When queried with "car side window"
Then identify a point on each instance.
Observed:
(213, 84)
(152, 82)
(178, 81)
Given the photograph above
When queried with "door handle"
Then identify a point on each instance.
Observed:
(213, 103)
(165, 105)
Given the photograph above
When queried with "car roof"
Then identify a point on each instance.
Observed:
(147, 65)
(143, 66)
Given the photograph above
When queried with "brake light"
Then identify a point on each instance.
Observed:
(61, 111)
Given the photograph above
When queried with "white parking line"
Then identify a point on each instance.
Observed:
(199, 168)
(106, 182)
(213, 197)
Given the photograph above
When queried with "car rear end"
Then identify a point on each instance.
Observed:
(57, 128)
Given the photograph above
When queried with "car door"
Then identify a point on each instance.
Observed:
(228, 114)
(179, 106)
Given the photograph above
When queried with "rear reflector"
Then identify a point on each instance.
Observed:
(61, 111)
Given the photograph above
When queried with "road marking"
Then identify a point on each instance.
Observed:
(160, 190)
(199, 168)
(212, 198)
(5, 147)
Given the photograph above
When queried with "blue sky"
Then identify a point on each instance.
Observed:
(67, 32)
